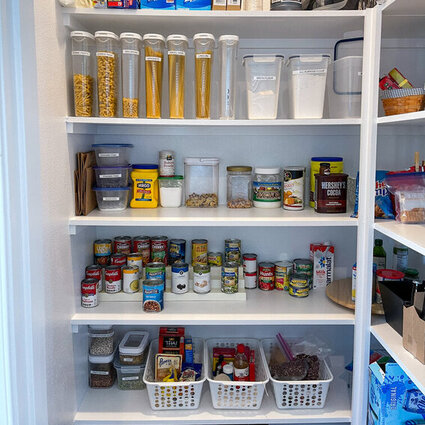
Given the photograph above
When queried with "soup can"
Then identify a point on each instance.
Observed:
(215, 259)
(293, 188)
(95, 272)
(199, 251)
(283, 271)
(177, 251)
(266, 276)
(159, 249)
(89, 293)
(122, 244)
(130, 279)
(142, 244)
(230, 277)
(201, 278)
(118, 259)
(153, 295)
(232, 251)
(102, 249)
(179, 278)
(136, 259)
(250, 263)
(113, 279)
(250, 280)
(156, 271)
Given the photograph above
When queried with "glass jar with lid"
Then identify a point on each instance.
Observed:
(267, 187)
(239, 187)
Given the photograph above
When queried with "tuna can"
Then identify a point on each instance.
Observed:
(293, 188)
(89, 293)
(283, 271)
(299, 293)
(250, 264)
(153, 295)
(113, 279)
(102, 249)
(215, 259)
(199, 251)
(159, 249)
(299, 281)
(232, 251)
(179, 278)
(118, 260)
(266, 276)
(156, 271)
(122, 244)
(136, 259)
(250, 280)
(303, 266)
(229, 278)
(95, 272)
(142, 244)
(201, 278)
(177, 251)
(130, 279)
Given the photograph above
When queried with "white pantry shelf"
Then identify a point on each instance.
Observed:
(412, 119)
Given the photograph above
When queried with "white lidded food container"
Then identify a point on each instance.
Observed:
(267, 187)
(133, 348)
(171, 191)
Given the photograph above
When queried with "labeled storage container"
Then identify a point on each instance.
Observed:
(112, 198)
(101, 340)
(83, 73)
(133, 348)
(307, 85)
(112, 176)
(174, 395)
(239, 187)
(262, 74)
(101, 371)
(171, 191)
(145, 186)
(112, 154)
(201, 182)
(267, 187)
(129, 377)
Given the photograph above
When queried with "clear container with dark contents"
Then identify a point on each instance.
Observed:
(101, 371)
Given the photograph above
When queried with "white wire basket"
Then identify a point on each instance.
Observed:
(236, 395)
(174, 395)
(298, 394)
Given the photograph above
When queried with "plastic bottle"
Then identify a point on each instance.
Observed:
(241, 365)
(379, 255)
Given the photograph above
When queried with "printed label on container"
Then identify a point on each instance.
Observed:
(130, 52)
(80, 53)
(203, 56)
(109, 176)
(109, 155)
(176, 53)
(130, 378)
(99, 372)
(267, 192)
(264, 78)
(293, 190)
(241, 374)
(111, 198)
(153, 58)
(309, 71)
(144, 190)
(105, 54)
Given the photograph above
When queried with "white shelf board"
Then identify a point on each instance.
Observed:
(412, 118)
(410, 235)
(261, 307)
(203, 217)
(393, 343)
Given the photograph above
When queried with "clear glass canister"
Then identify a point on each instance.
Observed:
(171, 191)
(267, 188)
(83, 72)
(101, 340)
(107, 55)
(101, 371)
(239, 187)
(204, 53)
(177, 46)
(154, 58)
(130, 68)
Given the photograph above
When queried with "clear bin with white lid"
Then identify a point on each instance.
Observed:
(101, 340)
(112, 154)
(112, 176)
(201, 182)
(133, 348)
(112, 198)
(130, 67)
(129, 377)
(262, 74)
(101, 371)
(307, 85)
(83, 75)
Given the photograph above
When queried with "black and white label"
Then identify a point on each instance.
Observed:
(176, 53)
(130, 378)
(264, 77)
(80, 53)
(105, 54)
(111, 198)
(309, 71)
(130, 52)
(110, 176)
(109, 155)
(203, 56)
(153, 59)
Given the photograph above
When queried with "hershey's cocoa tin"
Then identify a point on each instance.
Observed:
(330, 193)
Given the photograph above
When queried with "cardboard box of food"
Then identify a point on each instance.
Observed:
(414, 328)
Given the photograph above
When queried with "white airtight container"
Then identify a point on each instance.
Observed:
(262, 74)
(307, 85)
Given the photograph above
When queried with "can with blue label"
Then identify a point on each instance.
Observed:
(156, 271)
(153, 295)
(179, 278)
(177, 251)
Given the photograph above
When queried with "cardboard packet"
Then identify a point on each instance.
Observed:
(233, 4)
(219, 5)
(165, 363)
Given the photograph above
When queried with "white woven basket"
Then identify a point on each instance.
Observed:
(174, 395)
(236, 395)
(298, 394)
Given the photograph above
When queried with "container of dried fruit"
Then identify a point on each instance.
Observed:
(101, 371)
(133, 348)
(201, 182)
(101, 340)
(129, 377)
(239, 187)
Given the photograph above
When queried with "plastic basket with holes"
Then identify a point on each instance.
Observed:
(298, 394)
(236, 395)
(174, 395)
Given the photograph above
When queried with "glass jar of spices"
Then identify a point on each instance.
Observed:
(239, 187)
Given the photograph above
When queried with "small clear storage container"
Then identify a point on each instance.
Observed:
(112, 176)
(133, 348)
(201, 182)
(112, 154)
(239, 187)
(171, 191)
(112, 198)
(101, 371)
(101, 340)
(129, 377)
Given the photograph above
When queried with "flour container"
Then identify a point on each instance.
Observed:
(262, 74)
(307, 85)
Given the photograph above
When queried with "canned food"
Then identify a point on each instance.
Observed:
(159, 249)
(250, 280)
(130, 279)
(122, 244)
(118, 260)
(95, 272)
(250, 263)
(201, 278)
(136, 259)
(153, 295)
(283, 272)
(177, 251)
(199, 251)
(156, 271)
(353, 282)
(303, 266)
(293, 188)
(113, 279)
(89, 293)
(232, 251)
(142, 244)
(102, 249)
(266, 276)
(215, 259)
(230, 278)
(179, 278)
(299, 281)
(298, 293)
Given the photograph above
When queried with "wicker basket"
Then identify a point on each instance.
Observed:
(403, 101)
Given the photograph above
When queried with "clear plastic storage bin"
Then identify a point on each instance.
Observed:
(112, 176)
(101, 340)
(239, 187)
(262, 74)
(101, 371)
(112, 155)
(112, 198)
(129, 377)
(201, 182)
(133, 348)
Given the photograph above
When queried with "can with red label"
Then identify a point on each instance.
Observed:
(142, 244)
(266, 276)
(159, 249)
(95, 272)
(118, 260)
(113, 279)
(122, 244)
(102, 250)
(89, 293)
(250, 280)
(250, 264)
(283, 272)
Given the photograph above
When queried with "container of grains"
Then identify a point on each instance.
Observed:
(101, 371)
(107, 55)
(129, 377)
(133, 348)
(267, 188)
(83, 72)
(293, 188)
(239, 187)
(101, 340)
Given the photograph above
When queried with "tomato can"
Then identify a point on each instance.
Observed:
(156, 270)
(250, 280)
(95, 272)
(179, 278)
(230, 277)
(215, 259)
(113, 279)
(118, 259)
(159, 249)
(266, 276)
(199, 251)
(153, 295)
(130, 279)
(89, 293)
(102, 249)
(293, 188)
(136, 259)
(283, 272)
(177, 251)
(142, 244)
(122, 244)
(250, 263)
(232, 250)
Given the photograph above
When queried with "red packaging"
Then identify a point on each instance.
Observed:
(171, 341)
(266, 276)
(118, 260)
(387, 83)
(122, 244)
(88, 293)
(113, 279)
(142, 244)
(227, 353)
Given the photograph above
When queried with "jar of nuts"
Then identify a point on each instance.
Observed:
(239, 187)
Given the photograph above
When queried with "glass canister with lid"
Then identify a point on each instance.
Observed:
(239, 187)
(267, 187)
(171, 191)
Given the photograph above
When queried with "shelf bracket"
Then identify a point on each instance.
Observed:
(74, 329)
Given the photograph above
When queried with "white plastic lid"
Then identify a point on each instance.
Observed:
(107, 34)
(154, 37)
(228, 368)
(131, 35)
(201, 161)
(82, 34)
(101, 331)
(202, 35)
(228, 38)
(266, 170)
(102, 359)
(134, 343)
(177, 37)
